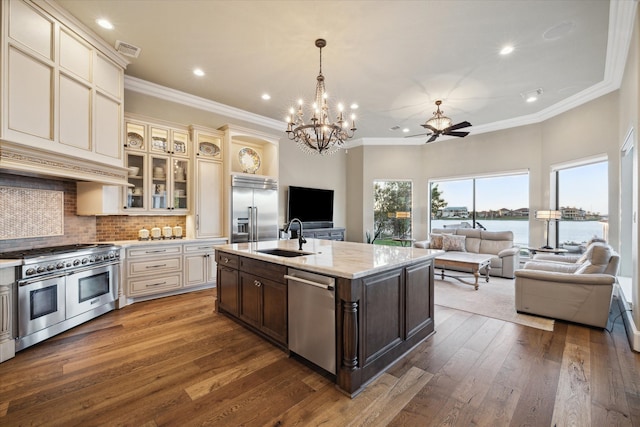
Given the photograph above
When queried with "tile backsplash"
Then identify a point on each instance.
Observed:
(126, 227)
(77, 229)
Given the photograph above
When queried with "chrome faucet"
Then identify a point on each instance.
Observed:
(301, 238)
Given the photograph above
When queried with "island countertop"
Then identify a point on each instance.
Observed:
(349, 260)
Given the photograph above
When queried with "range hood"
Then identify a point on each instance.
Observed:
(23, 160)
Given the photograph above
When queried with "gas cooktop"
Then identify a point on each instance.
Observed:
(52, 250)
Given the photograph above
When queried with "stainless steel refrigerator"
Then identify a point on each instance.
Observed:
(254, 207)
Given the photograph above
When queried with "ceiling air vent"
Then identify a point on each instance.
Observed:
(127, 49)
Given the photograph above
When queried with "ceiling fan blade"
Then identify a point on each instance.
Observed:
(431, 128)
(433, 138)
(459, 134)
(459, 126)
(419, 134)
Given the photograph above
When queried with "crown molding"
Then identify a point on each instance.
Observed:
(162, 92)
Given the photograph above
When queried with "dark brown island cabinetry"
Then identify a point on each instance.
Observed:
(255, 293)
(379, 316)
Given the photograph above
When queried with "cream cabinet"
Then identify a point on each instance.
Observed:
(160, 268)
(62, 87)
(157, 156)
(7, 301)
(153, 269)
(200, 264)
(208, 177)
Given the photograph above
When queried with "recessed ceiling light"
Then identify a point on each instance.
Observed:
(532, 95)
(266, 96)
(405, 130)
(506, 50)
(104, 23)
(354, 106)
(198, 72)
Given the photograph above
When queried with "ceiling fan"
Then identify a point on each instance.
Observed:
(440, 124)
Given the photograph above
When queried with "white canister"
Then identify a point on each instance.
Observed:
(177, 231)
(166, 232)
(143, 234)
(156, 233)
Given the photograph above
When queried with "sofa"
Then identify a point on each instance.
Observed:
(574, 289)
(505, 257)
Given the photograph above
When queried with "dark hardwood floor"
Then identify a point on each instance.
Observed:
(175, 362)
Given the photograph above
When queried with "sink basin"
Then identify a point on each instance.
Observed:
(283, 252)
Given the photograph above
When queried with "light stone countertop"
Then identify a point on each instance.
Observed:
(336, 258)
(130, 243)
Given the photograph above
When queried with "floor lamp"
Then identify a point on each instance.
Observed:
(548, 216)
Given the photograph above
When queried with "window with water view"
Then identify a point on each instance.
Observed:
(494, 203)
(582, 198)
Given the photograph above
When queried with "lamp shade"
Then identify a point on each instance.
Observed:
(548, 215)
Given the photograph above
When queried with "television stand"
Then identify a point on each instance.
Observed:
(326, 233)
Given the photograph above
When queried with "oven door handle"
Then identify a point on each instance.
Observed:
(91, 267)
(40, 279)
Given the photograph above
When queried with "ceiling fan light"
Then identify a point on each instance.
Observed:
(440, 123)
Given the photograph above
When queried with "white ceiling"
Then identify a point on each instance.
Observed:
(393, 58)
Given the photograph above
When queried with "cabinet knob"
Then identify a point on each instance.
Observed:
(257, 283)
(226, 260)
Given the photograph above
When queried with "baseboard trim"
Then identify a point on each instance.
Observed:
(633, 334)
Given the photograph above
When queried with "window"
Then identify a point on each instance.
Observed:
(582, 196)
(391, 212)
(495, 203)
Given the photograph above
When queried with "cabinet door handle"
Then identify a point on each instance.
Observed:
(225, 260)
(155, 252)
(257, 283)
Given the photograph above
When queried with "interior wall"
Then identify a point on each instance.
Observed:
(516, 149)
(355, 203)
(390, 163)
(311, 170)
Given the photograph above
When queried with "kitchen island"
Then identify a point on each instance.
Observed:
(383, 298)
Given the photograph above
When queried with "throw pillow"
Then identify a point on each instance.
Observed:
(599, 259)
(452, 242)
(436, 241)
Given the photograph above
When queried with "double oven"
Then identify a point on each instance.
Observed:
(62, 287)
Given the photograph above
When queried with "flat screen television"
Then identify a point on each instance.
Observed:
(310, 204)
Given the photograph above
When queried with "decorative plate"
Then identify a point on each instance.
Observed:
(134, 140)
(249, 160)
(209, 149)
(159, 143)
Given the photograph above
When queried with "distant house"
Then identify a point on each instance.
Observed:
(521, 212)
(573, 214)
(455, 212)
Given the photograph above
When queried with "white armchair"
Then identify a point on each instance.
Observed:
(574, 291)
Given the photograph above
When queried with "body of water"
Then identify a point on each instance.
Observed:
(570, 231)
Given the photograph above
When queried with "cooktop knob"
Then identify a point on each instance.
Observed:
(60, 265)
(41, 269)
(30, 271)
(85, 260)
(76, 262)
(51, 267)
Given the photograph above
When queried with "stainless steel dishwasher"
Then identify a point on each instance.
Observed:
(312, 317)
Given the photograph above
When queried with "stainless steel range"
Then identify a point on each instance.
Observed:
(61, 287)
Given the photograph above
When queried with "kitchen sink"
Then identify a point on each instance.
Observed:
(283, 252)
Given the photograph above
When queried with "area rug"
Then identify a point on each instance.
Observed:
(494, 299)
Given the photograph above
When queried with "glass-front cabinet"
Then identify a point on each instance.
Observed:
(169, 178)
(135, 193)
(157, 158)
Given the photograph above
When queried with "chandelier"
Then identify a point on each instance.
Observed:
(319, 135)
